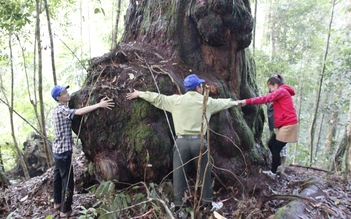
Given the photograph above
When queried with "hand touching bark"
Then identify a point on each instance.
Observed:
(106, 103)
(133, 95)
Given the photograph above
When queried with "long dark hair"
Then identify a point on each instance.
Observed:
(276, 79)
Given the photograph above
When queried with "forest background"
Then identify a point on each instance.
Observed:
(306, 41)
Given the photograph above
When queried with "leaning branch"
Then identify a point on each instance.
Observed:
(312, 168)
(21, 117)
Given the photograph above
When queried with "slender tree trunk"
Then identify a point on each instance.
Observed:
(33, 102)
(254, 29)
(115, 29)
(1, 161)
(271, 32)
(318, 96)
(321, 124)
(329, 147)
(319, 132)
(348, 146)
(40, 86)
(51, 42)
(299, 111)
(88, 10)
(19, 153)
(4, 181)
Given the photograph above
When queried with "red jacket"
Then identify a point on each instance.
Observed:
(284, 110)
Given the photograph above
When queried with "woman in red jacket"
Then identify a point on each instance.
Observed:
(285, 118)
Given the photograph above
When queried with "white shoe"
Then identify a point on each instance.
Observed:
(270, 174)
(280, 169)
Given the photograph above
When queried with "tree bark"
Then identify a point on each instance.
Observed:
(175, 38)
(340, 153)
(348, 146)
(5, 182)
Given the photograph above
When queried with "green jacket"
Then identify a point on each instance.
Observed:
(187, 109)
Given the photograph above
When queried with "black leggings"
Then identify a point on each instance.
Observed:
(275, 146)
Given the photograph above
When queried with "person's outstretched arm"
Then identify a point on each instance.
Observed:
(104, 103)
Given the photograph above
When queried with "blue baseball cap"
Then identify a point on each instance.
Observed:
(55, 92)
(191, 81)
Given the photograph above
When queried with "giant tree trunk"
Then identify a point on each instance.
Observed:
(169, 40)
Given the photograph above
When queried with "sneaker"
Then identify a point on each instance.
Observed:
(280, 169)
(270, 174)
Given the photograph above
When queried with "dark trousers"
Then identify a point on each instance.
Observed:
(275, 146)
(188, 149)
(63, 174)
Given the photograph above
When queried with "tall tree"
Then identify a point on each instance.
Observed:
(329, 147)
(40, 85)
(320, 83)
(51, 42)
(348, 146)
(254, 28)
(19, 152)
(115, 29)
(13, 18)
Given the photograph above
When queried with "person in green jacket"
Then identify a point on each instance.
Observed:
(186, 111)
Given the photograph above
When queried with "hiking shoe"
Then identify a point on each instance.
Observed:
(270, 174)
(72, 213)
(280, 169)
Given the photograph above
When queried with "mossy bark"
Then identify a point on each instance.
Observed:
(164, 41)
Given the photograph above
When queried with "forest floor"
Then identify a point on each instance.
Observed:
(327, 196)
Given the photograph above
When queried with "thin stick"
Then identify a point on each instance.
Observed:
(206, 94)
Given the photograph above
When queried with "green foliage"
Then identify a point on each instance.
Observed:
(78, 33)
(14, 15)
(89, 213)
(105, 189)
(125, 203)
(9, 155)
(293, 45)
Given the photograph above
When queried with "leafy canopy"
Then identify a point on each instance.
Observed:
(15, 14)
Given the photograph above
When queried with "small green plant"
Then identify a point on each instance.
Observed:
(136, 200)
(89, 213)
